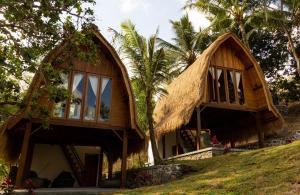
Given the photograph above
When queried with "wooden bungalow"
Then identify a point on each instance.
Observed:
(224, 93)
(99, 118)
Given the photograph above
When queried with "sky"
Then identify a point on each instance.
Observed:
(147, 15)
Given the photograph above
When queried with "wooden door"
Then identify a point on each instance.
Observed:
(91, 169)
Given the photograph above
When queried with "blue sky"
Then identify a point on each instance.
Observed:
(146, 14)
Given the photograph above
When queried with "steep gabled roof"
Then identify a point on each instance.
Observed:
(188, 90)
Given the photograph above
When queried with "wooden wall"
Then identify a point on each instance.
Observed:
(106, 67)
(232, 58)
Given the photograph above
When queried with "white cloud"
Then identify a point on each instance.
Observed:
(197, 18)
(128, 6)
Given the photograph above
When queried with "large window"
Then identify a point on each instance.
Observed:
(59, 110)
(77, 95)
(91, 98)
(105, 98)
(225, 85)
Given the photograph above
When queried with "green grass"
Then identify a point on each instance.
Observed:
(274, 170)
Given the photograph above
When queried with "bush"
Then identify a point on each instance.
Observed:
(3, 170)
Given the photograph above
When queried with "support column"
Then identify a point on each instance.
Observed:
(163, 139)
(177, 142)
(260, 132)
(124, 160)
(110, 166)
(24, 155)
(198, 143)
(100, 167)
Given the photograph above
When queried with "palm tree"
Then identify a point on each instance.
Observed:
(285, 17)
(149, 66)
(187, 42)
(229, 14)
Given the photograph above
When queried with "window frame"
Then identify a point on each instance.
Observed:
(69, 73)
(237, 99)
(83, 96)
(97, 95)
(100, 99)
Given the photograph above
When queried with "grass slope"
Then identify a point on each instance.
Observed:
(274, 170)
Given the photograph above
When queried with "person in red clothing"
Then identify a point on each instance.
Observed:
(214, 140)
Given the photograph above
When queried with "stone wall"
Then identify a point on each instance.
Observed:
(155, 175)
(204, 153)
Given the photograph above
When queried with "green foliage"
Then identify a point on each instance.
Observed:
(140, 100)
(286, 17)
(3, 170)
(28, 30)
(150, 67)
(286, 90)
(187, 43)
(232, 15)
(270, 51)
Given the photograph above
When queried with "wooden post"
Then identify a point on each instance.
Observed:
(232, 144)
(198, 144)
(100, 167)
(260, 133)
(24, 155)
(163, 139)
(124, 160)
(110, 166)
(177, 142)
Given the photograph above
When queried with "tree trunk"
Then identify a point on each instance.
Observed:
(293, 49)
(244, 36)
(290, 40)
(149, 109)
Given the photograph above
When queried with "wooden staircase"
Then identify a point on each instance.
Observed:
(74, 162)
(188, 140)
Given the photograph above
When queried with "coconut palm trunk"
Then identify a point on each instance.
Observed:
(149, 109)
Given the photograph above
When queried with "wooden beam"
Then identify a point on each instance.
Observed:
(198, 144)
(24, 155)
(260, 132)
(124, 160)
(163, 139)
(120, 138)
(79, 123)
(100, 167)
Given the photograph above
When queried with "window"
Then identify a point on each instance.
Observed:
(240, 88)
(225, 85)
(91, 98)
(212, 84)
(105, 98)
(231, 88)
(77, 95)
(60, 107)
(221, 84)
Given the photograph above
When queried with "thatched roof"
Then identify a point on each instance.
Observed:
(7, 143)
(188, 91)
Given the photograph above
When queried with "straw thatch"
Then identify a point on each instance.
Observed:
(188, 91)
(10, 146)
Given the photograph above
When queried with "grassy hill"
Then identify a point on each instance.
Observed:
(274, 170)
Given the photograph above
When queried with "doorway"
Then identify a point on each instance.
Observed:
(91, 169)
